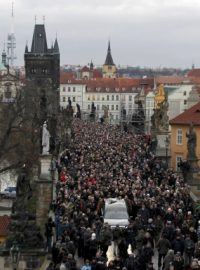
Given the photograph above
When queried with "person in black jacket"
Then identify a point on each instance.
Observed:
(49, 233)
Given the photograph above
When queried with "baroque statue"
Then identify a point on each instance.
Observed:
(160, 119)
(191, 143)
(45, 139)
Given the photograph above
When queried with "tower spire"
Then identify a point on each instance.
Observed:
(109, 60)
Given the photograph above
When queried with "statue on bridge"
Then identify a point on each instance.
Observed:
(78, 114)
(191, 143)
(45, 139)
(160, 119)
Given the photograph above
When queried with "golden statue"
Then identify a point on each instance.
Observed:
(160, 96)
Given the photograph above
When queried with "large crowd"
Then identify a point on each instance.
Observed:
(104, 162)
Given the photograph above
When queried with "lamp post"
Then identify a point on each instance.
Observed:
(166, 149)
(15, 255)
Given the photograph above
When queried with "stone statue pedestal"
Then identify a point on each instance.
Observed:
(193, 173)
(45, 165)
(162, 149)
(45, 189)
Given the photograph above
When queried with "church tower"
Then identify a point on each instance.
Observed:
(109, 68)
(42, 62)
(42, 69)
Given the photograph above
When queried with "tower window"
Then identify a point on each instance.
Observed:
(33, 70)
(64, 99)
(44, 71)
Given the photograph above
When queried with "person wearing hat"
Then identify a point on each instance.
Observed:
(93, 246)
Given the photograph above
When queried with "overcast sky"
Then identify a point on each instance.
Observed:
(151, 33)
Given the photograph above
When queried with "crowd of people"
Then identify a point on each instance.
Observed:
(104, 162)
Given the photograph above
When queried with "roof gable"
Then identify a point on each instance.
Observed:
(192, 115)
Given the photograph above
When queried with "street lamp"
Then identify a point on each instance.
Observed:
(15, 255)
(166, 148)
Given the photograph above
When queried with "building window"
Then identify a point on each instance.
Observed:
(108, 107)
(178, 160)
(74, 89)
(117, 117)
(117, 107)
(179, 137)
(184, 93)
(64, 88)
(112, 108)
(102, 98)
(64, 99)
(44, 71)
(185, 102)
(93, 97)
(88, 106)
(69, 89)
(33, 70)
(98, 107)
(74, 99)
(130, 98)
(88, 97)
(107, 97)
(117, 97)
(113, 97)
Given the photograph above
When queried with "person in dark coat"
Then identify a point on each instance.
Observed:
(49, 233)
(93, 246)
(105, 238)
(162, 246)
(130, 262)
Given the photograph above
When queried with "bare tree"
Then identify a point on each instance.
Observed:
(19, 131)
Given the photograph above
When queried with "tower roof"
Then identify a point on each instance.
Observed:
(56, 47)
(109, 60)
(39, 42)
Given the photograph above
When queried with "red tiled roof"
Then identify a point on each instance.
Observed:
(66, 76)
(191, 115)
(113, 84)
(194, 72)
(169, 79)
(85, 69)
(96, 73)
(194, 80)
(4, 222)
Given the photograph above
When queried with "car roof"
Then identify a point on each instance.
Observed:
(113, 201)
